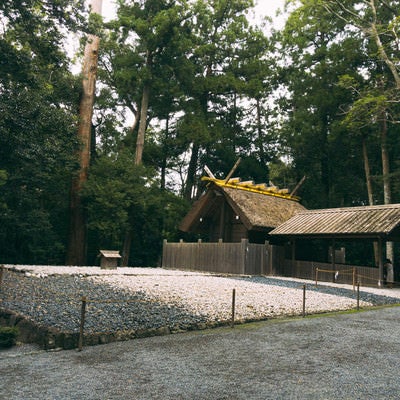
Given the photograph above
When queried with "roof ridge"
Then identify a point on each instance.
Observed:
(250, 186)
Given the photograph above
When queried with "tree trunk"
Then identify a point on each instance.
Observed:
(164, 157)
(142, 125)
(126, 250)
(324, 161)
(138, 160)
(387, 193)
(76, 252)
(260, 138)
(367, 170)
(190, 180)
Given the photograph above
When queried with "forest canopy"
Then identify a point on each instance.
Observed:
(181, 85)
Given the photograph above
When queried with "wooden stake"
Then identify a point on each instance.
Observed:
(293, 192)
(304, 300)
(208, 171)
(1, 274)
(229, 176)
(81, 328)
(233, 308)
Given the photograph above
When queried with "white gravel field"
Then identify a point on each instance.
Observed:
(211, 295)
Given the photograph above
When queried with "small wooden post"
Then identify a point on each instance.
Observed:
(354, 278)
(1, 274)
(316, 277)
(233, 308)
(304, 300)
(358, 296)
(333, 262)
(81, 329)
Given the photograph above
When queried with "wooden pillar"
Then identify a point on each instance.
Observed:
(333, 259)
(380, 260)
(221, 233)
(265, 265)
(293, 272)
(164, 262)
(198, 262)
(243, 267)
(180, 256)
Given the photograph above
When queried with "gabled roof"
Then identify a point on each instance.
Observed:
(368, 221)
(257, 208)
(110, 253)
(250, 186)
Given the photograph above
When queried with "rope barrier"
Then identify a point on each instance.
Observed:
(336, 270)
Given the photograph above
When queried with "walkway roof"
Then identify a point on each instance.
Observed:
(352, 222)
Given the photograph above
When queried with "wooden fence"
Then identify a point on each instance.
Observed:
(242, 258)
(246, 258)
(339, 273)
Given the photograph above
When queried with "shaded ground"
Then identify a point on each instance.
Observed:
(341, 356)
(44, 302)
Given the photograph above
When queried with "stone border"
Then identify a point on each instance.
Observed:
(50, 338)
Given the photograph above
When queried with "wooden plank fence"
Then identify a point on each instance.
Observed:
(242, 258)
(246, 258)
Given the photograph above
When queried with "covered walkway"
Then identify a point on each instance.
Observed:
(379, 224)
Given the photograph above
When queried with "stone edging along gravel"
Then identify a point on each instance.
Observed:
(45, 301)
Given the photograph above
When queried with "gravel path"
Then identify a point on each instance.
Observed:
(341, 356)
(140, 299)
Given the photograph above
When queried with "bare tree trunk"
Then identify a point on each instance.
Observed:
(367, 172)
(138, 158)
(138, 161)
(190, 180)
(76, 252)
(260, 133)
(126, 250)
(387, 192)
(369, 190)
(142, 125)
(164, 157)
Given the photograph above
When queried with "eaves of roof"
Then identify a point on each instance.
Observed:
(350, 222)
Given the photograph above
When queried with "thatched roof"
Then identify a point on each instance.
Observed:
(256, 208)
(260, 211)
(368, 221)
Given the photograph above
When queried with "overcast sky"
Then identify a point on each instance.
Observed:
(263, 8)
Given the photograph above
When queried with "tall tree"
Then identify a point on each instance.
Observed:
(38, 98)
(76, 254)
(378, 23)
(224, 47)
(148, 35)
(315, 54)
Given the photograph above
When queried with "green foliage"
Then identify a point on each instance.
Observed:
(302, 102)
(8, 336)
(322, 73)
(120, 198)
(37, 142)
(198, 59)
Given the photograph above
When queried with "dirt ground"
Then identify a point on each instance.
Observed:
(337, 356)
